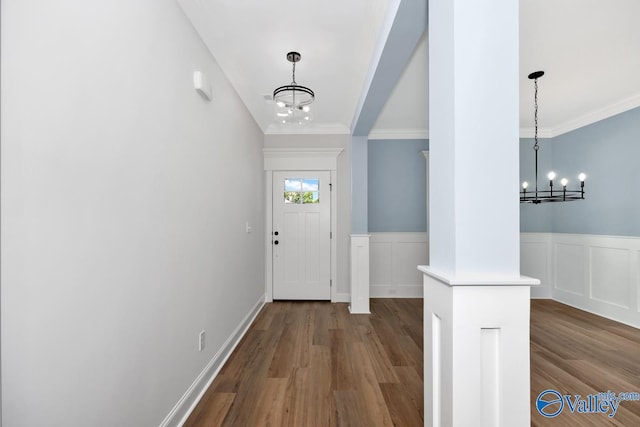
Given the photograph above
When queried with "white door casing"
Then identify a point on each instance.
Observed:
(301, 235)
(308, 159)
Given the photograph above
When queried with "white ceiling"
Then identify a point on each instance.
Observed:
(589, 50)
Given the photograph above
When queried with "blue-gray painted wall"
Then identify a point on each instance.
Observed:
(359, 192)
(608, 151)
(397, 185)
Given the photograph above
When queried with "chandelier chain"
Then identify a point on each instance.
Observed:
(543, 196)
(294, 74)
(535, 115)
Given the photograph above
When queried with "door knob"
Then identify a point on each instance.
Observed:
(275, 233)
(275, 242)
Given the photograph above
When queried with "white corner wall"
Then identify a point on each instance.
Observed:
(124, 201)
(599, 274)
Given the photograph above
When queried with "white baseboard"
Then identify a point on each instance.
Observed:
(181, 411)
(397, 291)
(342, 297)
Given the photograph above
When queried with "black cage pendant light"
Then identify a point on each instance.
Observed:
(292, 100)
(543, 196)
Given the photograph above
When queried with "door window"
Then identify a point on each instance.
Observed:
(301, 191)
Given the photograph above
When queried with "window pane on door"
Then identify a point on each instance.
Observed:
(292, 184)
(301, 191)
(310, 184)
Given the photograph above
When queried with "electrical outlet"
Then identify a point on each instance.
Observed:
(201, 341)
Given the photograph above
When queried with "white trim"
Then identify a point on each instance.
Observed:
(586, 119)
(334, 232)
(300, 159)
(597, 115)
(595, 273)
(477, 279)
(425, 153)
(530, 133)
(181, 411)
(268, 253)
(399, 134)
(342, 297)
(313, 129)
(396, 291)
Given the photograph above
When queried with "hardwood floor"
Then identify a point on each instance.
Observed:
(578, 353)
(314, 364)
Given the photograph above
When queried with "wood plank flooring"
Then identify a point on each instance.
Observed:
(575, 352)
(314, 364)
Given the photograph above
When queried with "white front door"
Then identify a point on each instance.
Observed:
(301, 235)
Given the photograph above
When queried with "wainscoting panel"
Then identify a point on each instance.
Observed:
(599, 274)
(609, 276)
(569, 267)
(535, 261)
(635, 273)
(394, 258)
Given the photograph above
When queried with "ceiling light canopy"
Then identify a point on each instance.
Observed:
(543, 196)
(292, 100)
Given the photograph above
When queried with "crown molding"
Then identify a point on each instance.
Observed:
(530, 133)
(597, 115)
(568, 126)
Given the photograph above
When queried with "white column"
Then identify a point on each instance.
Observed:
(425, 153)
(476, 302)
(359, 226)
(359, 274)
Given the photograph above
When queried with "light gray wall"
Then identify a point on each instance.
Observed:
(397, 185)
(124, 201)
(343, 221)
(608, 152)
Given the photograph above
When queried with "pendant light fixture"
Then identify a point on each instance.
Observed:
(292, 100)
(543, 196)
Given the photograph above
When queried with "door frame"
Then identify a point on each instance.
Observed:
(299, 159)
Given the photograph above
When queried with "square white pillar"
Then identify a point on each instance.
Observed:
(359, 274)
(476, 352)
(476, 302)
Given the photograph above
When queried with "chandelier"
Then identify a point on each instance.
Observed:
(543, 196)
(292, 100)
